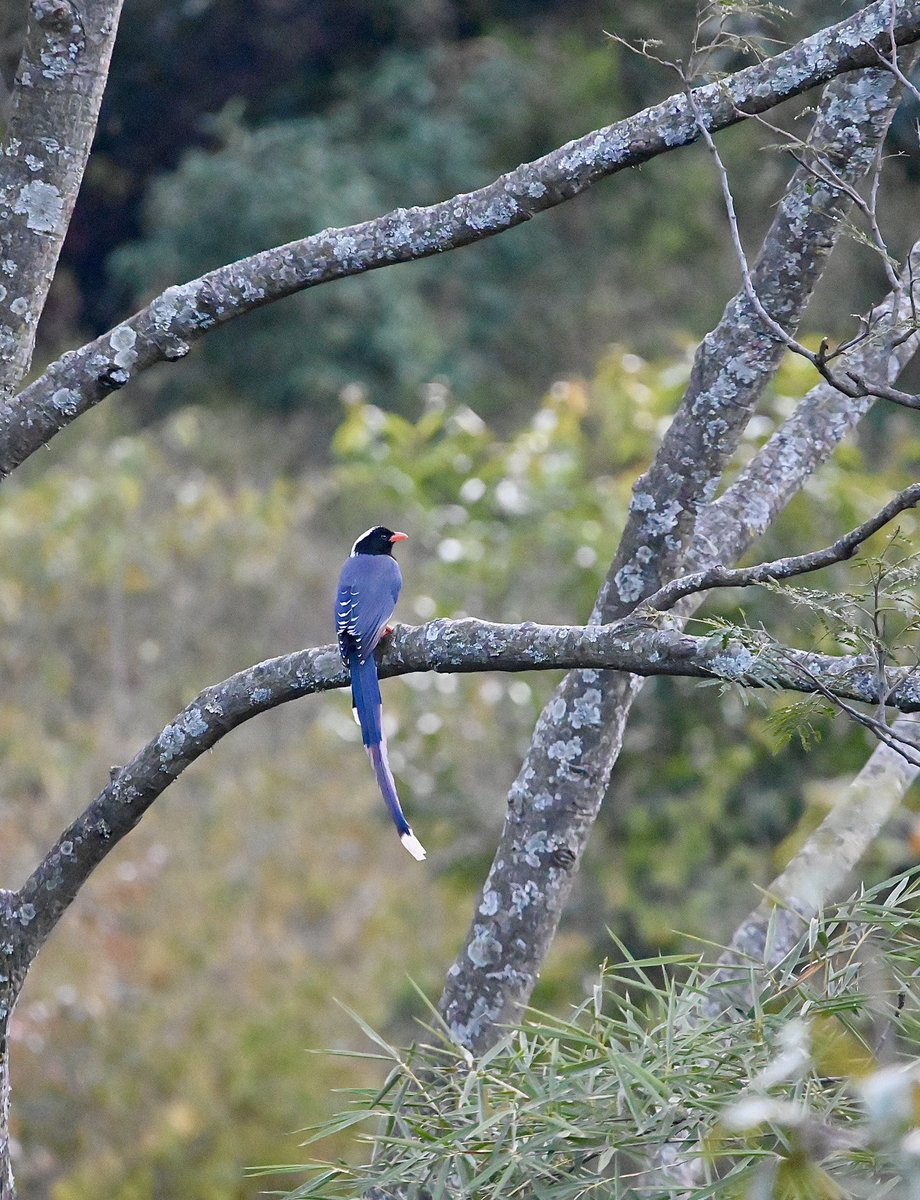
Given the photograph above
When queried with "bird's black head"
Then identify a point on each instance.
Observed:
(378, 540)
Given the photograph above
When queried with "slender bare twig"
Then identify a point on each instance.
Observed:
(820, 167)
(781, 568)
(781, 334)
(853, 385)
(877, 726)
(824, 173)
(890, 63)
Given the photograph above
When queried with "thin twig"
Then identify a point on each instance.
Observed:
(821, 168)
(853, 385)
(878, 727)
(890, 63)
(781, 568)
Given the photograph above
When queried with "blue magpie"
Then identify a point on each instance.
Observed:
(369, 587)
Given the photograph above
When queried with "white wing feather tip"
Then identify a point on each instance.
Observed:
(413, 845)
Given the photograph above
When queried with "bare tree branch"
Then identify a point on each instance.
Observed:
(165, 329)
(52, 119)
(889, 60)
(781, 568)
(852, 384)
(805, 440)
(444, 646)
(732, 367)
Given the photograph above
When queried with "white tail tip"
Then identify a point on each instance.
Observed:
(413, 845)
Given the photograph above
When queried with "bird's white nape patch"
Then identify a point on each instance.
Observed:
(414, 846)
(354, 549)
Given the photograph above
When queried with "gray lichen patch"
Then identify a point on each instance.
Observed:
(170, 742)
(483, 1012)
(587, 709)
(499, 212)
(66, 401)
(629, 582)
(522, 895)
(484, 949)
(535, 847)
(738, 664)
(41, 205)
(123, 339)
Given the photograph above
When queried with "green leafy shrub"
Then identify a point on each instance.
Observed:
(812, 1090)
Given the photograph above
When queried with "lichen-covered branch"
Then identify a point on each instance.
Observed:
(805, 441)
(52, 119)
(444, 646)
(166, 328)
(732, 367)
(781, 568)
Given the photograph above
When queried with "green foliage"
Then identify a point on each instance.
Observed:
(790, 1098)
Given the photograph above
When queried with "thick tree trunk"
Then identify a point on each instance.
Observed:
(555, 800)
(7, 1186)
(52, 120)
(13, 966)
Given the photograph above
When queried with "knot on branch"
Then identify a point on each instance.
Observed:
(57, 15)
(174, 350)
(113, 377)
(60, 23)
(563, 857)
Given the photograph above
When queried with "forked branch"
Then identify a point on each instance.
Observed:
(781, 568)
(443, 646)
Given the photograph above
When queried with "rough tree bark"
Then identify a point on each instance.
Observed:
(557, 795)
(468, 645)
(29, 914)
(52, 118)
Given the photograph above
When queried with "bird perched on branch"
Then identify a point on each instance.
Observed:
(369, 587)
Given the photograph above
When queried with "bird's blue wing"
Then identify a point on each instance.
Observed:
(369, 587)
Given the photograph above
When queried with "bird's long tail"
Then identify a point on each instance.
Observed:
(365, 692)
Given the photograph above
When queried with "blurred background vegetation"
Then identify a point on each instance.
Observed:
(498, 404)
